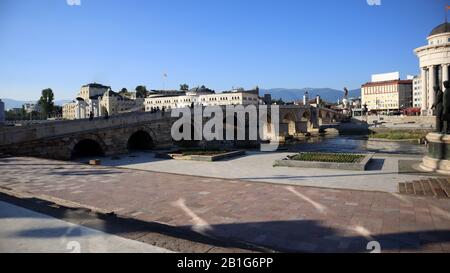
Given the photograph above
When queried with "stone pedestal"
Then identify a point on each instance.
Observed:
(438, 158)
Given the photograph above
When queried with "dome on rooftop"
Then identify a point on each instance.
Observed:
(442, 28)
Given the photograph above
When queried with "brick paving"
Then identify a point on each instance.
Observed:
(278, 217)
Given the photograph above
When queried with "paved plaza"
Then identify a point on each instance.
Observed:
(25, 231)
(383, 174)
(275, 216)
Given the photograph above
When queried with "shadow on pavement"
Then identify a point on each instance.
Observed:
(273, 236)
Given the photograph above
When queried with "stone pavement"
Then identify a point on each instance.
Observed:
(256, 166)
(279, 217)
(25, 231)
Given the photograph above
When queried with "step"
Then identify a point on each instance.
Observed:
(445, 185)
(418, 189)
(402, 188)
(427, 190)
(437, 188)
(409, 188)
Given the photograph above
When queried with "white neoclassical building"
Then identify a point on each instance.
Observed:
(434, 64)
(201, 96)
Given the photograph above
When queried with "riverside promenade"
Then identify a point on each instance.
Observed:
(276, 217)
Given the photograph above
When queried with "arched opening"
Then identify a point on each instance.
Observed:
(289, 119)
(140, 140)
(306, 120)
(306, 116)
(87, 147)
(321, 118)
(328, 118)
(333, 119)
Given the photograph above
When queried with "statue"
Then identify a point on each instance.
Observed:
(446, 107)
(346, 103)
(438, 157)
(439, 109)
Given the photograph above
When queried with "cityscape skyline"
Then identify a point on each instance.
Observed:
(138, 50)
(225, 127)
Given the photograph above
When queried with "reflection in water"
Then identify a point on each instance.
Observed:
(355, 144)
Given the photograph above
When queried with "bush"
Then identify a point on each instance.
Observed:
(208, 152)
(328, 157)
(399, 135)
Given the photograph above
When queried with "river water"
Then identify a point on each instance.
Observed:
(355, 144)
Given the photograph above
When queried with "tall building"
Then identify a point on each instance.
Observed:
(434, 61)
(387, 93)
(2, 112)
(417, 92)
(201, 96)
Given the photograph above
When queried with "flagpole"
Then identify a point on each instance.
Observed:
(447, 8)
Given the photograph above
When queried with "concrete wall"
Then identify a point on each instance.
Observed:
(399, 122)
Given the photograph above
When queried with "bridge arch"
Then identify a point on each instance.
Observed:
(333, 118)
(290, 119)
(141, 139)
(320, 117)
(84, 147)
(307, 119)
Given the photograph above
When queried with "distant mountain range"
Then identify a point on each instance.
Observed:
(327, 94)
(287, 95)
(10, 103)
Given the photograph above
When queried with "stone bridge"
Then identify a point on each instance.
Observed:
(295, 120)
(132, 131)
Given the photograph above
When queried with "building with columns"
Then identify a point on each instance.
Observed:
(434, 61)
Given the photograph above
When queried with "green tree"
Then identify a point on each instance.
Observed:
(278, 102)
(184, 87)
(57, 111)
(141, 91)
(46, 102)
(23, 113)
(123, 91)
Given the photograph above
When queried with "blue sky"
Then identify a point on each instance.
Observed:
(219, 43)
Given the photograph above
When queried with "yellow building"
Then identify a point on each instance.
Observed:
(387, 96)
(68, 110)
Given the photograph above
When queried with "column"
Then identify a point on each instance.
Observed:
(444, 75)
(431, 84)
(424, 90)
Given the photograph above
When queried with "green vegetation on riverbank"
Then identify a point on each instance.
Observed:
(207, 152)
(328, 157)
(399, 135)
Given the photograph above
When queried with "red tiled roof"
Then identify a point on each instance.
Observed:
(387, 82)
